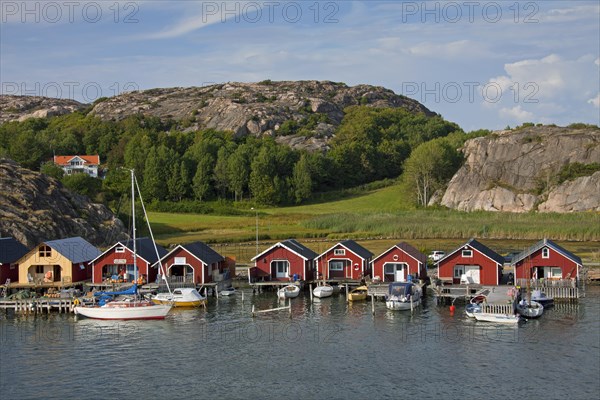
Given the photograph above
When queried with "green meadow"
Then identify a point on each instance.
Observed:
(376, 218)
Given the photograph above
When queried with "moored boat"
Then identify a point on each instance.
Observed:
(530, 309)
(230, 291)
(125, 310)
(542, 298)
(403, 296)
(184, 297)
(323, 291)
(358, 294)
(288, 292)
(497, 318)
(129, 304)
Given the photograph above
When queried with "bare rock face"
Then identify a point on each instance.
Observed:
(580, 194)
(257, 109)
(36, 208)
(516, 171)
(20, 108)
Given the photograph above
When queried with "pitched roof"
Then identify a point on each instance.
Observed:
(545, 243)
(11, 250)
(294, 246)
(145, 249)
(353, 247)
(203, 252)
(481, 248)
(356, 248)
(64, 160)
(75, 249)
(408, 249)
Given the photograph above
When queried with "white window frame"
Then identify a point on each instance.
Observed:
(339, 252)
(553, 270)
(467, 251)
(402, 265)
(336, 265)
(458, 268)
(281, 263)
(545, 252)
(120, 249)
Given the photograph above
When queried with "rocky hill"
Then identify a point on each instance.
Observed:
(35, 208)
(257, 109)
(528, 169)
(20, 108)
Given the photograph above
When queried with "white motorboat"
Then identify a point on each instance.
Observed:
(323, 291)
(471, 309)
(497, 318)
(131, 307)
(230, 291)
(540, 297)
(184, 297)
(288, 292)
(403, 296)
(530, 309)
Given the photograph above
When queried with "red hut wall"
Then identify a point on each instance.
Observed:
(352, 266)
(555, 259)
(489, 272)
(296, 265)
(401, 257)
(127, 256)
(79, 274)
(7, 273)
(196, 264)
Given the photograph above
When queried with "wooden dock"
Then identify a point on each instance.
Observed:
(39, 305)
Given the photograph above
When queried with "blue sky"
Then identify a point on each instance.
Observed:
(484, 64)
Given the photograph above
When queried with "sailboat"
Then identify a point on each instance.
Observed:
(129, 306)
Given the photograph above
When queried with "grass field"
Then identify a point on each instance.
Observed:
(379, 218)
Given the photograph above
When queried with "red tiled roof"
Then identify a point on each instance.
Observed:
(64, 160)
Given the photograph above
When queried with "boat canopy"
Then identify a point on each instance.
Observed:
(132, 290)
(400, 288)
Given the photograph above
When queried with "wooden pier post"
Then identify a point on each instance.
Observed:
(373, 304)
(347, 298)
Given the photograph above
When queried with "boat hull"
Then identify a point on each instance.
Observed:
(357, 296)
(531, 309)
(288, 292)
(323, 291)
(497, 318)
(399, 305)
(180, 303)
(129, 312)
(180, 298)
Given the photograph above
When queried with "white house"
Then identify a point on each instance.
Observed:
(79, 164)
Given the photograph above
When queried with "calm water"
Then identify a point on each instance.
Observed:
(327, 350)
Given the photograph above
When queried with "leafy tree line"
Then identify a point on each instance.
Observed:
(171, 165)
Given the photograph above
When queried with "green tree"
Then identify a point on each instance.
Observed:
(82, 184)
(429, 167)
(263, 172)
(301, 180)
(53, 170)
(238, 171)
(176, 182)
(201, 183)
(154, 186)
(221, 173)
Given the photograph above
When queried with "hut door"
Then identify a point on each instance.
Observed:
(56, 271)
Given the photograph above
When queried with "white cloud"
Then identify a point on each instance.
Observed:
(595, 101)
(211, 13)
(516, 114)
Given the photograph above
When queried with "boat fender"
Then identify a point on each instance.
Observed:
(76, 302)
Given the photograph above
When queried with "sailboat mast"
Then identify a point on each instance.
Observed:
(133, 222)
